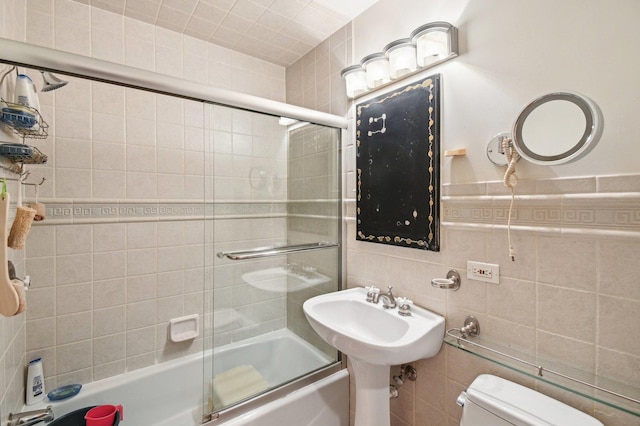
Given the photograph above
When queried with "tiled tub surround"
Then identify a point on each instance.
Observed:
(129, 239)
(570, 297)
(143, 154)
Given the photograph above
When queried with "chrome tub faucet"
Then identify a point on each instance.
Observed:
(29, 418)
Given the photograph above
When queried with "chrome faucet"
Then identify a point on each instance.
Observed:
(388, 300)
(373, 294)
(29, 418)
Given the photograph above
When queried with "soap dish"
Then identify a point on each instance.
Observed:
(64, 392)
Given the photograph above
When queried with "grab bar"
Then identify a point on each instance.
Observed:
(539, 368)
(274, 251)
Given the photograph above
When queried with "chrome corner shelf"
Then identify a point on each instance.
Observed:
(568, 382)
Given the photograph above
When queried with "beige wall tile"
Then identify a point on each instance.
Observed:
(142, 314)
(567, 263)
(141, 262)
(41, 241)
(108, 156)
(616, 274)
(41, 333)
(41, 303)
(109, 265)
(73, 357)
(109, 321)
(109, 349)
(73, 328)
(73, 298)
(110, 369)
(555, 350)
(42, 271)
(109, 237)
(141, 341)
(108, 184)
(74, 239)
(109, 293)
(141, 288)
(567, 312)
(613, 314)
(513, 300)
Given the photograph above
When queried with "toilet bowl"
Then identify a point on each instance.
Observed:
(493, 401)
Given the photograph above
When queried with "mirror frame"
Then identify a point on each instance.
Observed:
(589, 139)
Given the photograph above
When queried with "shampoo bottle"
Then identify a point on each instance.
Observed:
(35, 382)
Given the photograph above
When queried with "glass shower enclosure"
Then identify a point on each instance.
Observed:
(193, 208)
(275, 228)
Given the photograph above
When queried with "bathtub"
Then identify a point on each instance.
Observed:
(171, 393)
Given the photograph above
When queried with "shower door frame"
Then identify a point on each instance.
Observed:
(42, 58)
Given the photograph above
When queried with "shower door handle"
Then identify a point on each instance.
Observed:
(274, 251)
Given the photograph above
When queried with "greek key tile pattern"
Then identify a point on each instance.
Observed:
(599, 212)
(82, 212)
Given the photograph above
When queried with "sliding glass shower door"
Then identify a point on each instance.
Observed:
(274, 208)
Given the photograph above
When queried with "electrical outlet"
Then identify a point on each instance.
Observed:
(488, 272)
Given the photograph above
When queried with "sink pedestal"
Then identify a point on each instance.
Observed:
(372, 393)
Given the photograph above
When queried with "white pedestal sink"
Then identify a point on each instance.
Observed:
(374, 338)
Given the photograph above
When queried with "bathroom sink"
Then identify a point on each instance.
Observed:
(374, 338)
(371, 333)
(284, 280)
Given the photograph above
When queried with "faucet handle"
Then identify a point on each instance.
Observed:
(373, 293)
(404, 306)
(390, 288)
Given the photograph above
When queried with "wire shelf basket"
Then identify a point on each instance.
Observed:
(25, 122)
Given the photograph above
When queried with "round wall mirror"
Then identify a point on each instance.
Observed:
(557, 128)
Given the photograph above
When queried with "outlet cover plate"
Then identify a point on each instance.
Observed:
(488, 272)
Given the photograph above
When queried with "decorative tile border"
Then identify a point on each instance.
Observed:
(126, 211)
(602, 206)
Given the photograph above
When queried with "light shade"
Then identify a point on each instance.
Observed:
(402, 57)
(435, 42)
(356, 80)
(377, 67)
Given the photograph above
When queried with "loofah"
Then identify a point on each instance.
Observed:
(21, 227)
(40, 211)
(22, 295)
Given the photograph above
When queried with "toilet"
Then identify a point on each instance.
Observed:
(494, 401)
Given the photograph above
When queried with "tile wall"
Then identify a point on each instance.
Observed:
(576, 239)
(12, 329)
(128, 242)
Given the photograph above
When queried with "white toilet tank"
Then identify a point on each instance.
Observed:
(493, 401)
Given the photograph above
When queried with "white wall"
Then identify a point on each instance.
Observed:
(512, 52)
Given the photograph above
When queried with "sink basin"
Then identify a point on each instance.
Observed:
(281, 280)
(367, 331)
(374, 339)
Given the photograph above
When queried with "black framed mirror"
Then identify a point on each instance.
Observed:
(398, 166)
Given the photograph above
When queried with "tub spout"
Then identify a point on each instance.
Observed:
(29, 418)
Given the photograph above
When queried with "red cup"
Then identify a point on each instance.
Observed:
(103, 415)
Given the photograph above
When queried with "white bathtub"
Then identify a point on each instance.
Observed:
(171, 393)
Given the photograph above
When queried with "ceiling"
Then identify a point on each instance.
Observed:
(278, 31)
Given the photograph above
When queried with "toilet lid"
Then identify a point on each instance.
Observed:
(523, 406)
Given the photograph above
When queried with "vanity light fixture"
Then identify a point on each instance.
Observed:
(435, 42)
(376, 66)
(402, 57)
(426, 47)
(356, 79)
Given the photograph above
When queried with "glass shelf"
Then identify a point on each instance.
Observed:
(610, 392)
